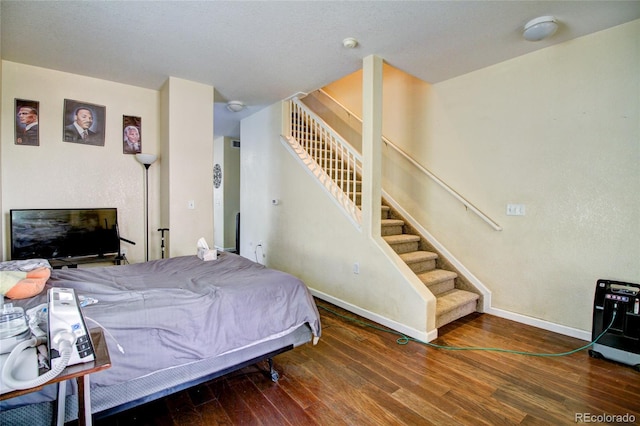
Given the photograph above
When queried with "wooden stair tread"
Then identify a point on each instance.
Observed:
(452, 299)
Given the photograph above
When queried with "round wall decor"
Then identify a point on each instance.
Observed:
(217, 176)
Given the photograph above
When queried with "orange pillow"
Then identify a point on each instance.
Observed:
(30, 286)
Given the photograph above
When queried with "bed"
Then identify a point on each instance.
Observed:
(181, 321)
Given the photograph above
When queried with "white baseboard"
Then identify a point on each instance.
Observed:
(545, 325)
(225, 248)
(389, 323)
(427, 337)
(487, 308)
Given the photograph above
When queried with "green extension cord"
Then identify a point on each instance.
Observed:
(404, 339)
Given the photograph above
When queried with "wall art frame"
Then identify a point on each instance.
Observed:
(27, 128)
(83, 123)
(131, 134)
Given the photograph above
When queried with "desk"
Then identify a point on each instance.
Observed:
(79, 372)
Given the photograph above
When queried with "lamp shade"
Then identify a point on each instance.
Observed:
(146, 159)
(540, 28)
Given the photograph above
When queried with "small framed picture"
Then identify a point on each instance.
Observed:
(27, 132)
(83, 123)
(131, 134)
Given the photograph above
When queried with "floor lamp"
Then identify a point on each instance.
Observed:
(146, 160)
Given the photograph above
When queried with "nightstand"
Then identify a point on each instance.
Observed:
(81, 373)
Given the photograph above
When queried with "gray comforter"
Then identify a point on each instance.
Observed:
(176, 311)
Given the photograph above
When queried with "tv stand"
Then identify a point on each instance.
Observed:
(73, 262)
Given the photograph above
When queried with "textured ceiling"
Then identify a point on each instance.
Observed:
(262, 51)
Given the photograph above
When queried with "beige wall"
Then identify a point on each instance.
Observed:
(187, 168)
(308, 236)
(1, 149)
(60, 174)
(556, 130)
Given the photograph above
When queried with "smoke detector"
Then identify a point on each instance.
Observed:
(540, 28)
(235, 106)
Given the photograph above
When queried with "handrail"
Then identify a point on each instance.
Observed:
(432, 176)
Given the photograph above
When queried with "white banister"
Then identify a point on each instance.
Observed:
(425, 171)
(327, 155)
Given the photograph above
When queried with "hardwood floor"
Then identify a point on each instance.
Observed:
(361, 376)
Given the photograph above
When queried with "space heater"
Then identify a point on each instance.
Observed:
(620, 340)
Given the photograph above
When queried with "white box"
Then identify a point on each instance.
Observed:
(207, 254)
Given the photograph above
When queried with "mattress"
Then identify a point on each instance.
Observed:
(182, 318)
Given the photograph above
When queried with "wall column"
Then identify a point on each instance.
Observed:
(186, 163)
(371, 144)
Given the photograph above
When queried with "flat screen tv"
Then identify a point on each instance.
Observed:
(63, 233)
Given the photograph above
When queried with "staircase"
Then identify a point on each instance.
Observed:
(452, 302)
(455, 297)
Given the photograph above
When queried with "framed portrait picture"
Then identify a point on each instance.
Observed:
(83, 123)
(131, 134)
(27, 132)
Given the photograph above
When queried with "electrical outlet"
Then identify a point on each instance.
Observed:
(123, 251)
(515, 210)
(356, 268)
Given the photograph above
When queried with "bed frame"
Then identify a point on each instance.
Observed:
(110, 400)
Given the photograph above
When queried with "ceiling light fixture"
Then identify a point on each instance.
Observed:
(540, 28)
(350, 42)
(235, 106)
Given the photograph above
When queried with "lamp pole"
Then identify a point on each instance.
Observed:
(146, 160)
(146, 211)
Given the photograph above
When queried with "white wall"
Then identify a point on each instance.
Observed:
(231, 184)
(226, 198)
(307, 235)
(60, 174)
(556, 130)
(218, 196)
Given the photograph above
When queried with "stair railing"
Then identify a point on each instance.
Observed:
(333, 160)
(425, 171)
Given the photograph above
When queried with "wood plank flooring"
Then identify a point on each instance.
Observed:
(361, 376)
